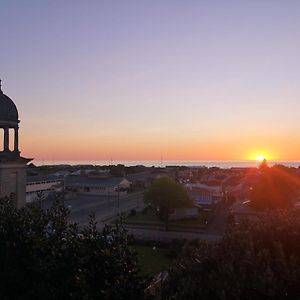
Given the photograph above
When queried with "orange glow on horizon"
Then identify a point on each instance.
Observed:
(129, 145)
(261, 155)
(143, 151)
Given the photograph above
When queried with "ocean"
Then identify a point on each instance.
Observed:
(164, 163)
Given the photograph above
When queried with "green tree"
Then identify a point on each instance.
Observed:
(44, 256)
(166, 195)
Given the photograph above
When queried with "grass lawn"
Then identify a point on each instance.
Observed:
(149, 217)
(199, 222)
(152, 261)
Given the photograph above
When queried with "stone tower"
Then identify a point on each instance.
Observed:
(12, 165)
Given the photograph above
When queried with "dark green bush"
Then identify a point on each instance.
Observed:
(43, 256)
(253, 261)
(132, 212)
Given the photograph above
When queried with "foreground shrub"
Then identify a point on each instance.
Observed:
(43, 256)
(253, 261)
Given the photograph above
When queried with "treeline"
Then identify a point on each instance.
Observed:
(276, 187)
(258, 261)
(43, 256)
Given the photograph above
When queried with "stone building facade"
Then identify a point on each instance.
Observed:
(12, 165)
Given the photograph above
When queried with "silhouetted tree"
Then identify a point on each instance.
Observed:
(253, 261)
(263, 165)
(43, 256)
(166, 195)
(275, 188)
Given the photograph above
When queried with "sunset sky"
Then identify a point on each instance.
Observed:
(137, 80)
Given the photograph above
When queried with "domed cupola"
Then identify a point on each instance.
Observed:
(9, 119)
(8, 110)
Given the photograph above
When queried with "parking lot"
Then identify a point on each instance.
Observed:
(104, 207)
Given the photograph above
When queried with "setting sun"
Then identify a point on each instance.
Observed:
(260, 157)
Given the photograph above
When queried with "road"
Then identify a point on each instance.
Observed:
(104, 207)
(214, 230)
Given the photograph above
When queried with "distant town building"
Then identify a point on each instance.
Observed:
(181, 213)
(142, 179)
(242, 211)
(205, 198)
(43, 185)
(97, 186)
(12, 165)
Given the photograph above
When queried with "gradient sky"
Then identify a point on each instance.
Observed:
(195, 80)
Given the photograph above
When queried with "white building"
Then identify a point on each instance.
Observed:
(97, 186)
(47, 185)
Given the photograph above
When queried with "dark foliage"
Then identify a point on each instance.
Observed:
(276, 187)
(43, 256)
(258, 261)
(175, 248)
(132, 212)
